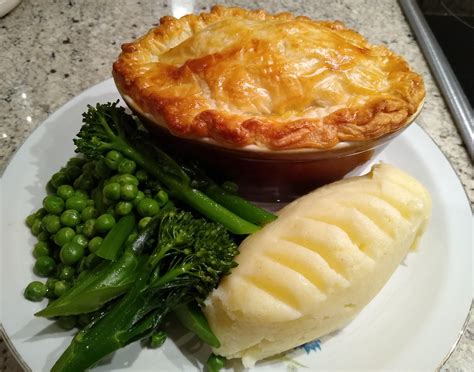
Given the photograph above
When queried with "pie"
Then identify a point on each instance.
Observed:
(243, 77)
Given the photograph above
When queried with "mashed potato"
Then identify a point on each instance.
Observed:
(313, 269)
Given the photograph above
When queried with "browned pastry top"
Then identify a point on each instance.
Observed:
(278, 81)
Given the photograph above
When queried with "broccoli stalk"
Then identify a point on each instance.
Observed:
(191, 317)
(113, 331)
(233, 202)
(190, 257)
(108, 127)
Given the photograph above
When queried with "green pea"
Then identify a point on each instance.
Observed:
(60, 287)
(215, 363)
(50, 282)
(58, 179)
(81, 240)
(141, 175)
(59, 267)
(36, 228)
(104, 223)
(88, 213)
(89, 228)
(50, 293)
(44, 266)
(77, 203)
(53, 204)
(41, 249)
(148, 207)
(65, 191)
(125, 179)
(94, 244)
(84, 182)
(128, 191)
(111, 179)
(70, 218)
(81, 194)
(140, 196)
(107, 202)
(157, 339)
(112, 191)
(88, 167)
(143, 222)
(162, 197)
(126, 167)
(101, 169)
(76, 161)
(30, 219)
(43, 236)
(72, 172)
(122, 208)
(113, 159)
(40, 213)
(51, 223)
(92, 261)
(66, 273)
(64, 236)
(111, 210)
(35, 291)
(80, 228)
(71, 253)
(67, 322)
(131, 238)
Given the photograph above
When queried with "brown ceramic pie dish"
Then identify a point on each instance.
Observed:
(277, 103)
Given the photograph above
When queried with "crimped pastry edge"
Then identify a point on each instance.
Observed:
(254, 148)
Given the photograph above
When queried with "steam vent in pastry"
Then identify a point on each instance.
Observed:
(237, 77)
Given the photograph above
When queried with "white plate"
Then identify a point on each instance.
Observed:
(412, 324)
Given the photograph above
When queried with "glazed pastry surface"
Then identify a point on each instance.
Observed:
(278, 81)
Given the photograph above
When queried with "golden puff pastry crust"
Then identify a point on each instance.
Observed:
(244, 77)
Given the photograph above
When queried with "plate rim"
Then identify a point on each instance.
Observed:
(468, 201)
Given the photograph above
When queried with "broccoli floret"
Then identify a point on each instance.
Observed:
(108, 127)
(193, 253)
(103, 130)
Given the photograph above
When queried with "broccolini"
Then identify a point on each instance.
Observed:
(190, 257)
(108, 127)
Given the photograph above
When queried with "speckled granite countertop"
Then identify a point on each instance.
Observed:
(53, 50)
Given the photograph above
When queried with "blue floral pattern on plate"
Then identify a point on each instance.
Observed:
(311, 346)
